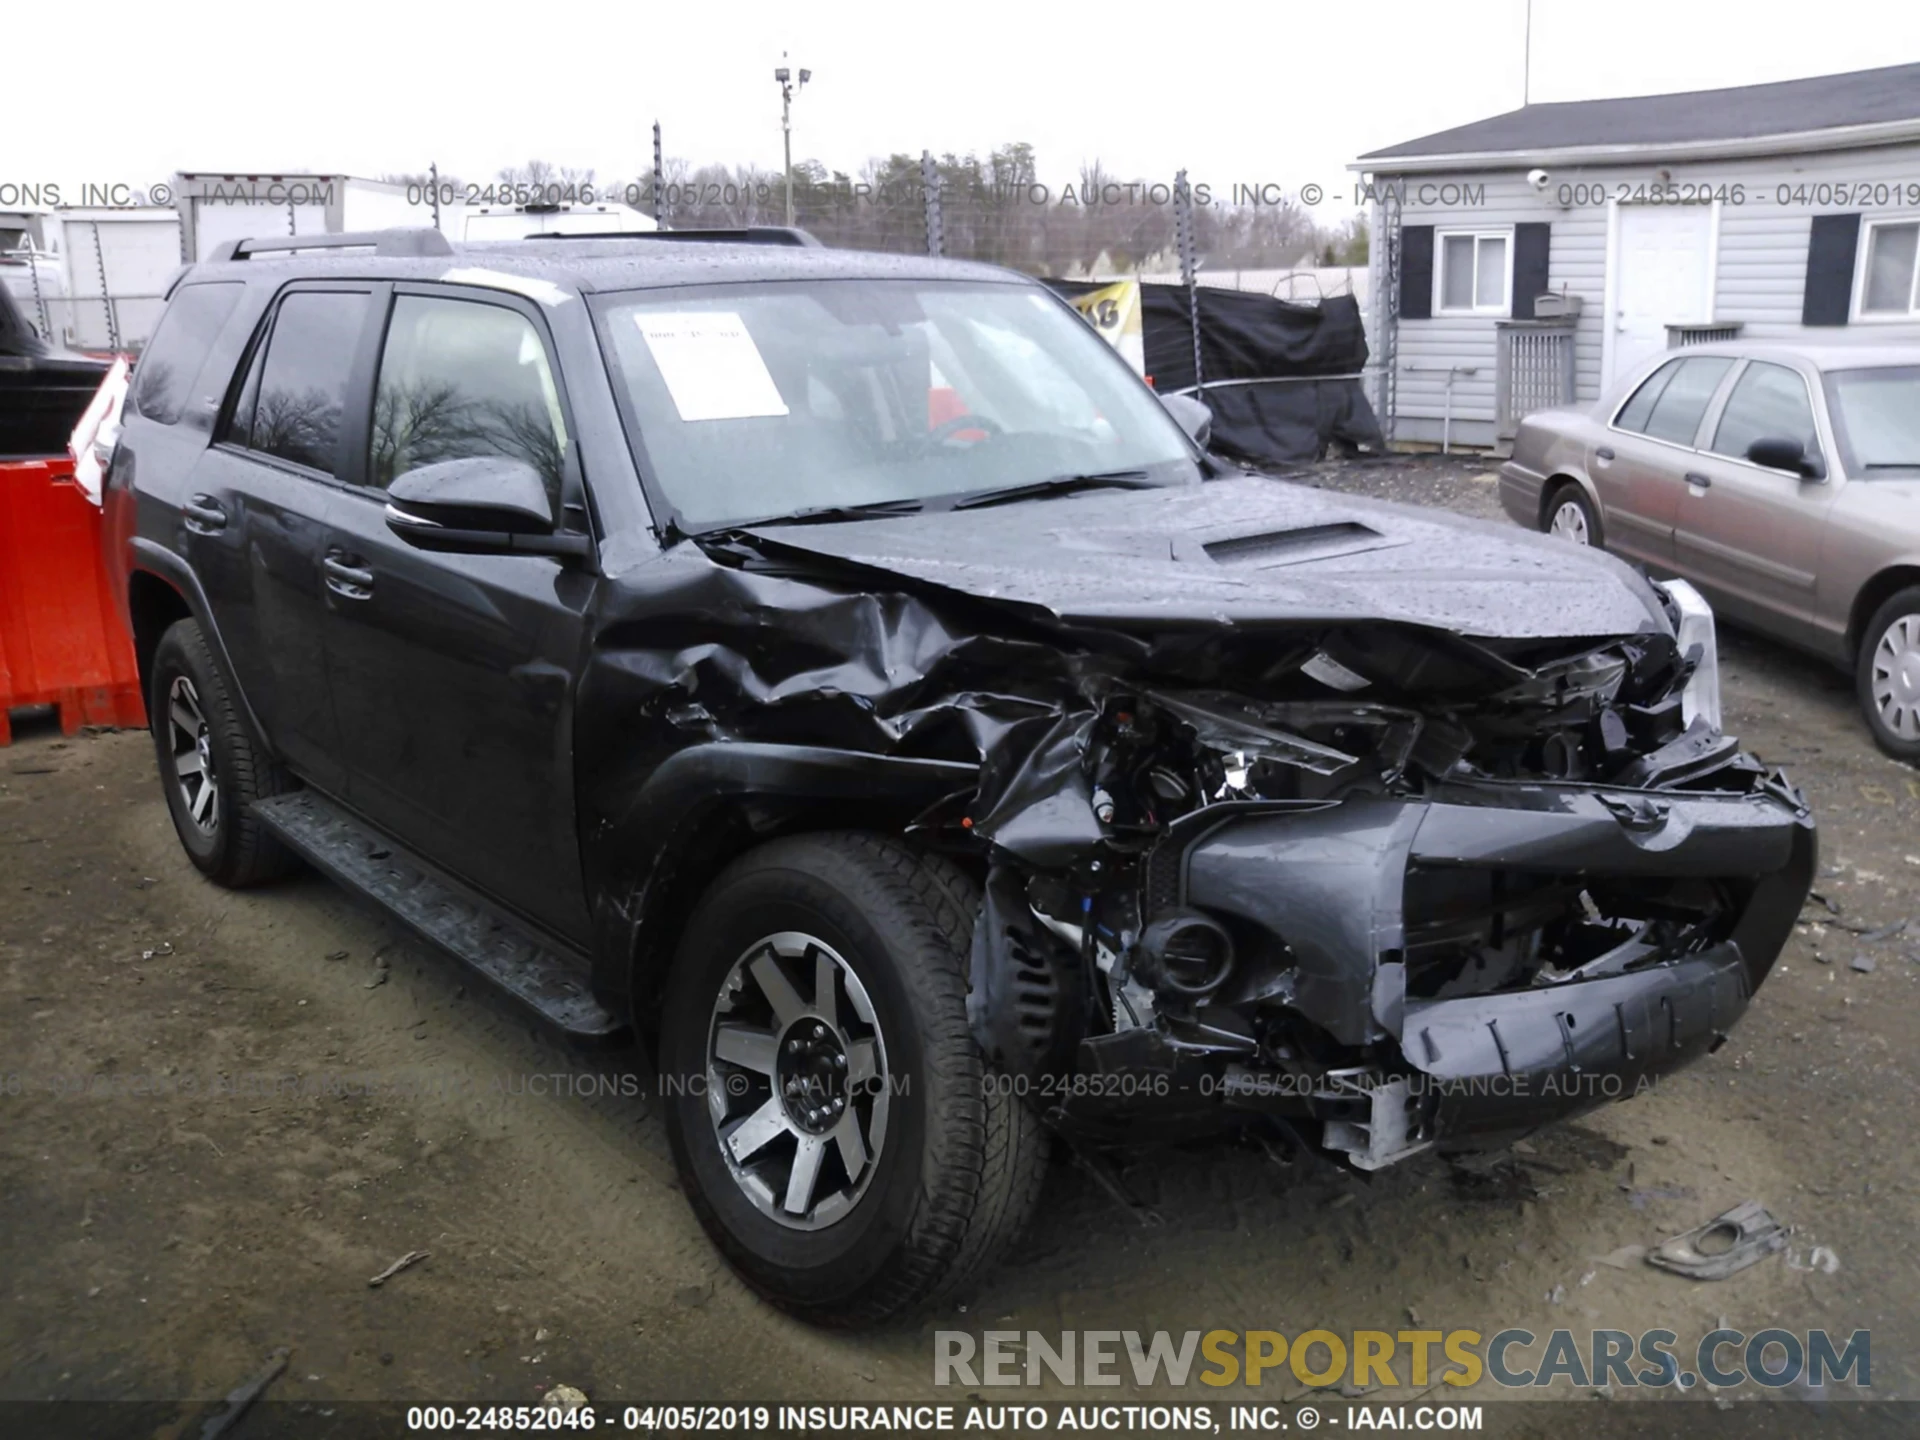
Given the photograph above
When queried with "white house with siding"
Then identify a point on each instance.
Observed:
(1778, 211)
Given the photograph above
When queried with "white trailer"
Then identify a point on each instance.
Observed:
(216, 208)
(117, 262)
(521, 222)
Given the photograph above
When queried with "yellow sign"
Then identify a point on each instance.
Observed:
(1114, 310)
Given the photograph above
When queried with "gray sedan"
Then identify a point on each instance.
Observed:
(1783, 481)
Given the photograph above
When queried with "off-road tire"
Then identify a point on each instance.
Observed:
(237, 850)
(964, 1159)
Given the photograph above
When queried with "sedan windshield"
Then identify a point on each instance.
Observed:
(762, 401)
(1876, 419)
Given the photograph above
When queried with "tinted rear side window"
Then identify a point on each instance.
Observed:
(302, 387)
(1676, 414)
(1633, 415)
(164, 379)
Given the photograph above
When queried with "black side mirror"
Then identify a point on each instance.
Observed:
(478, 505)
(1777, 452)
(1192, 416)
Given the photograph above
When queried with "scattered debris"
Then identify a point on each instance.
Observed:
(565, 1399)
(1108, 1178)
(1725, 1245)
(379, 978)
(1640, 1199)
(337, 955)
(693, 1296)
(163, 948)
(1864, 964)
(244, 1394)
(1557, 1295)
(1625, 1258)
(1833, 906)
(1823, 1260)
(412, 1257)
(1885, 932)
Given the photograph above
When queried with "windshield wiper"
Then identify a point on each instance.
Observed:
(1059, 485)
(833, 514)
(1891, 465)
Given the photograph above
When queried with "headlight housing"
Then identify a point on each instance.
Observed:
(1694, 633)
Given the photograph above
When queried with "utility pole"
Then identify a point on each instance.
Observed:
(788, 85)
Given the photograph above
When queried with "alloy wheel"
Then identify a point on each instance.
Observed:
(797, 1080)
(1895, 679)
(1570, 523)
(191, 743)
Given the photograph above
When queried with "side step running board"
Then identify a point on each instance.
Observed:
(441, 912)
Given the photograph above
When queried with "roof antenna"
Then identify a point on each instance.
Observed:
(1526, 70)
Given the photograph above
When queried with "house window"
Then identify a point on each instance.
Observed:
(1888, 286)
(1475, 273)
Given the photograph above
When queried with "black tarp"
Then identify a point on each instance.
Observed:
(1293, 394)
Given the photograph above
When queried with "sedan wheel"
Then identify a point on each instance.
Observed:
(1569, 521)
(797, 1081)
(1896, 677)
(1889, 677)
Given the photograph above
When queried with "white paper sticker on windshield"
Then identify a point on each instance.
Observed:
(713, 369)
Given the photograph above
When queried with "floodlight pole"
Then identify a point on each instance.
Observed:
(788, 85)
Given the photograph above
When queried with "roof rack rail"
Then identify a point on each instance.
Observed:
(744, 235)
(413, 242)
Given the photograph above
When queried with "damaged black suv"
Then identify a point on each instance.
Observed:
(842, 673)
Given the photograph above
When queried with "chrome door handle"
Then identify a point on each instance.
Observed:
(1694, 477)
(346, 580)
(204, 515)
(1605, 452)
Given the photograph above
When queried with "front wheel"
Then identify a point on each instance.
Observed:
(833, 1122)
(1571, 516)
(1889, 675)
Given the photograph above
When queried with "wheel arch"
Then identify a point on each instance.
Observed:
(1558, 481)
(660, 845)
(1881, 588)
(162, 589)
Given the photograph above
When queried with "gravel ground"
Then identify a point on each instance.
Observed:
(159, 1240)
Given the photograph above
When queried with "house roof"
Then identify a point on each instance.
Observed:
(1746, 113)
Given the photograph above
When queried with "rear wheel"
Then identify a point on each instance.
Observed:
(211, 766)
(1571, 516)
(1889, 675)
(835, 1127)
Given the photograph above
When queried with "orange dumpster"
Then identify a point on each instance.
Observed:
(62, 641)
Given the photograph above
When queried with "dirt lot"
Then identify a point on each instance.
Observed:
(182, 1195)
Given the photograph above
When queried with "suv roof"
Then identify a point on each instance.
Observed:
(585, 263)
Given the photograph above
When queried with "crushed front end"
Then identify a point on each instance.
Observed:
(1415, 891)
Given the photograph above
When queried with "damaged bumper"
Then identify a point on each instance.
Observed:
(1459, 970)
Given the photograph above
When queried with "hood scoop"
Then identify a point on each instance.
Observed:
(1291, 547)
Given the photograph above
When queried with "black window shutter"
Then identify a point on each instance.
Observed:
(1416, 272)
(1831, 246)
(1531, 244)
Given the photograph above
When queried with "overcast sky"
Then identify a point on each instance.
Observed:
(1253, 92)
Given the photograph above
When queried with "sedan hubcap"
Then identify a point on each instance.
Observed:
(797, 1082)
(192, 747)
(1895, 681)
(1570, 523)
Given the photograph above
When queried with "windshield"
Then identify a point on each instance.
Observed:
(1876, 419)
(750, 402)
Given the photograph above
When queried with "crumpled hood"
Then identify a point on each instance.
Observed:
(1250, 551)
